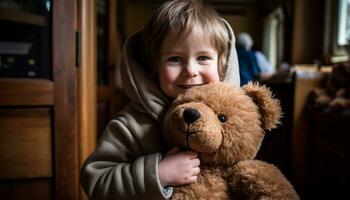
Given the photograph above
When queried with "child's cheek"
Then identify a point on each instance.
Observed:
(212, 75)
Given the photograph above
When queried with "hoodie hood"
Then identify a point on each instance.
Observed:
(232, 72)
(144, 92)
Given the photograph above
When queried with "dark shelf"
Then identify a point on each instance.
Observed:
(21, 17)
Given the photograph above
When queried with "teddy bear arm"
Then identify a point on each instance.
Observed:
(259, 180)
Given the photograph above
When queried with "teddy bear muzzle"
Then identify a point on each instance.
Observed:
(199, 136)
(194, 126)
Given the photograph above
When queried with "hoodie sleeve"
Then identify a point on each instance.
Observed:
(118, 169)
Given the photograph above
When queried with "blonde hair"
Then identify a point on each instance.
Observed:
(180, 16)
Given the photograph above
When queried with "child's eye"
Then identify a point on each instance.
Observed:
(203, 58)
(174, 59)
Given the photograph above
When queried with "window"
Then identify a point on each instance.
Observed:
(343, 36)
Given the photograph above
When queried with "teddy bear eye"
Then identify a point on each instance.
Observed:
(222, 117)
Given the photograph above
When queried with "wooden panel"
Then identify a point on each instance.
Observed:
(26, 91)
(33, 189)
(328, 155)
(25, 143)
(324, 124)
(66, 100)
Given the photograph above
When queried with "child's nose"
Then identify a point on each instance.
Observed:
(190, 69)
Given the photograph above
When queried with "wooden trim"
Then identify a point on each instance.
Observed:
(87, 82)
(66, 100)
(23, 92)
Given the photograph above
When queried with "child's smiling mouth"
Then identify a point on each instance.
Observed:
(188, 86)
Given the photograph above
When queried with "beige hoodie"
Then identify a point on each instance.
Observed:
(125, 163)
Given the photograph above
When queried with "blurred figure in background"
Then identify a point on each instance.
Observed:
(252, 64)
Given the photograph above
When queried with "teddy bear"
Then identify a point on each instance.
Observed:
(225, 125)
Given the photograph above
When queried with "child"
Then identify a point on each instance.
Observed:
(185, 44)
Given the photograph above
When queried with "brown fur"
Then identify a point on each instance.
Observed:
(227, 149)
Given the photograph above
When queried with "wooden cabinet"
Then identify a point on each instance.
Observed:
(26, 143)
(48, 122)
(328, 175)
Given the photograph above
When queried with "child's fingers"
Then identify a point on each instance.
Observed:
(191, 154)
(191, 179)
(195, 162)
(195, 171)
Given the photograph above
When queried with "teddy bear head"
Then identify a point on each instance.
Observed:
(224, 124)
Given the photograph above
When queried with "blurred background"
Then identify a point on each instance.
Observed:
(58, 87)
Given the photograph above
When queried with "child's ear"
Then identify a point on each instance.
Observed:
(269, 107)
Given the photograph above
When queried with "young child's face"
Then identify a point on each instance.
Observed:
(186, 61)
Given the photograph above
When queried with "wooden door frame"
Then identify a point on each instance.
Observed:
(87, 81)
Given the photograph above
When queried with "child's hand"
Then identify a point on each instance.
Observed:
(178, 167)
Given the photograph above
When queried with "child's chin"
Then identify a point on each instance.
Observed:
(185, 89)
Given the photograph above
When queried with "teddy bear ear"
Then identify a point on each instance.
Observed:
(269, 107)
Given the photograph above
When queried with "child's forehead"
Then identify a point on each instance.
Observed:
(196, 31)
(186, 30)
(194, 40)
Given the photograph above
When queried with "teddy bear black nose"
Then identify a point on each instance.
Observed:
(191, 115)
